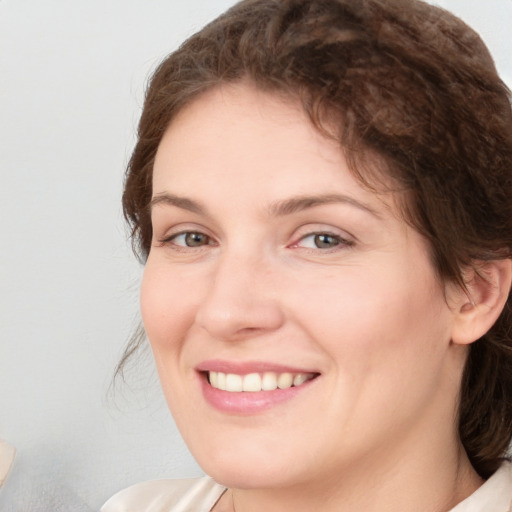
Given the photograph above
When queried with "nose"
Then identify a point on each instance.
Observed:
(241, 300)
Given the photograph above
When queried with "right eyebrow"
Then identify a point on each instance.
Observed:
(296, 204)
(180, 202)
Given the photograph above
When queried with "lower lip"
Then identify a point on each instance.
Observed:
(247, 402)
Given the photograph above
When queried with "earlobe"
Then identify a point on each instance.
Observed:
(487, 289)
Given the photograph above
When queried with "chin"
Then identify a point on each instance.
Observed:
(251, 478)
(248, 469)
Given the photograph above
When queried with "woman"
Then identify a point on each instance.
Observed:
(321, 194)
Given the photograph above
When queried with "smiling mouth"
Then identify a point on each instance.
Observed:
(255, 382)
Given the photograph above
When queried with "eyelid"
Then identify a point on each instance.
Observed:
(342, 240)
(182, 229)
(345, 239)
(173, 236)
(323, 229)
(187, 233)
(309, 230)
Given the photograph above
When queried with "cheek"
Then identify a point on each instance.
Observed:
(386, 338)
(374, 322)
(167, 306)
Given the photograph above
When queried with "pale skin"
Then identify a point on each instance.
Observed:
(267, 249)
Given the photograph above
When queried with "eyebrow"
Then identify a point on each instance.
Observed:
(276, 209)
(180, 202)
(296, 204)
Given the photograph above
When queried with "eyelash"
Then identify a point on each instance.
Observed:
(171, 240)
(340, 242)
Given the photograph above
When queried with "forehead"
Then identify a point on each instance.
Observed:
(249, 144)
(271, 126)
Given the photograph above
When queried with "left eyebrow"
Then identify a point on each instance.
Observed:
(296, 204)
(180, 202)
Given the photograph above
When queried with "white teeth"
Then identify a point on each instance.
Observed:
(254, 382)
(234, 383)
(300, 379)
(269, 381)
(285, 381)
(221, 381)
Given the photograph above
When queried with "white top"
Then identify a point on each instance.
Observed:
(201, 494)
(186, 495)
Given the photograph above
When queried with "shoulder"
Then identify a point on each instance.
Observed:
(495, 495)
(184, 495)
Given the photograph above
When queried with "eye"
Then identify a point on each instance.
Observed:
(189, 239)
(322, 241)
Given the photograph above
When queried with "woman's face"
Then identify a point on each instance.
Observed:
(271, 265)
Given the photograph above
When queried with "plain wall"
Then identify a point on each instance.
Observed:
(72, 77)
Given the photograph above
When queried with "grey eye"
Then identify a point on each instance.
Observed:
(194, 239)
(325, 241)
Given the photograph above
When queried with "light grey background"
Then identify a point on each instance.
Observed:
(72, 77)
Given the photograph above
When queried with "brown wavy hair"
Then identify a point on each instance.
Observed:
(404, 81)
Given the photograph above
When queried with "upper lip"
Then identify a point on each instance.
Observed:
(246, 367)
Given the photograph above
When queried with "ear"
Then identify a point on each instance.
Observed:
(478, 307)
